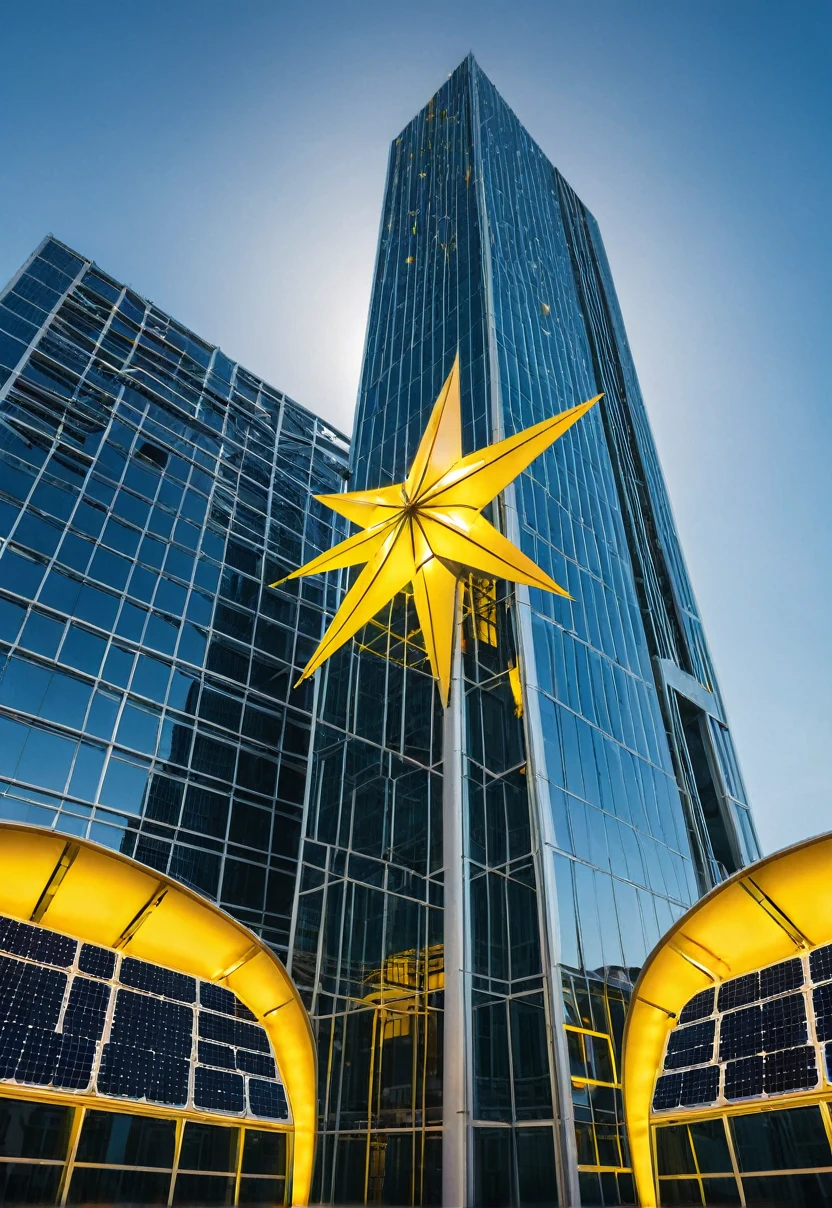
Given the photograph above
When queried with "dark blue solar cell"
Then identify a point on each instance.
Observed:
(39, 1057)
(233, 1031)
(744, 1079)
(700, 1086)
(741, 1033)
(692, 1045)
(828, 1054)
(267, 1100)
(124, 1071)
(22, 939)
(98, 962)
(256, 1063)
(699, 1007)
(157, 980)
(86, 1009)
(791, 1070)
(668, 1092)
(820, 963)
(779, 979)
(822, 1002)
(74, 1067)
(30, 993)
(140, 1021)
(784, 1023)
(218, 1090)
(168, 1081)
(218, 998)
(739, 991)
(217, 1054)
(12, 1038)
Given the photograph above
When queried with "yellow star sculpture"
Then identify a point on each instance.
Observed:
(428, 529)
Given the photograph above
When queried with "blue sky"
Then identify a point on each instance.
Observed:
(228, 161)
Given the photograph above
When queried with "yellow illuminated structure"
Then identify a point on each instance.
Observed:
(74, 890)
(728, 1043)
(429, 528)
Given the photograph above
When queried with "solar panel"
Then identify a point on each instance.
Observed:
(12, 1039)
(822, 1003)
(74, 1067)
(144, 976)
(39, 1057)
(791, 1070)
(741, 1033)
(268, 1100)
(779, 979)
(744, 1079)
(232, 1031)
(256, 1063)
(98, 962)
(217, 1054)
(30, 993)
(22, 939)
(218, 1090)
(150, 1044)
(692, 1045)
(217, 998)
(124, 1071)
(168, 1080)
(828, 1055)
(784, 1023)
(739, 991)
(820, 964)
(140, 1021)
(699, 1007)
(700, 1086)
(86, 1008)
(668, 1092)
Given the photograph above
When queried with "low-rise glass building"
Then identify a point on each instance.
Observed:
(152, 1049)
(150, 490)
(728, 1044)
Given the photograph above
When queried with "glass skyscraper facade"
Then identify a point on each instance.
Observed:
(150, 490)
(469, 1010)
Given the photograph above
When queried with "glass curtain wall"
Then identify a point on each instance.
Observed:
(150, 489)
(599, 790)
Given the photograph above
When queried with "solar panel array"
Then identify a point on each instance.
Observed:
(78, 1017)
(758, 1035)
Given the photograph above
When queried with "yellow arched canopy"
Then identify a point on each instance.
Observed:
(102, 897)
(770, 911)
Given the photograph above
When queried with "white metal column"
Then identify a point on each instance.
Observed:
(455, 1107)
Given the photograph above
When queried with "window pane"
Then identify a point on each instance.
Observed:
(781, 1140)
(264, 1152)
(206, 1147)
(789, 1191)
(675, 1155)
(203, 1189)
(33, 1130)
(90, 1186)
(21, 1183)
(711, 1147)
(124, 786)
(116, 1139)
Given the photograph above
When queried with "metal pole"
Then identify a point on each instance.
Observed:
(454, 1078)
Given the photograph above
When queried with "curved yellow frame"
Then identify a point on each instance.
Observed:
(771, 910)
(102, 897)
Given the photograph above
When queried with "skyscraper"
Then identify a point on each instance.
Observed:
(150, 489)
(480, 885)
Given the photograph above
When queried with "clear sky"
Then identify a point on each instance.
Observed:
(227, 160)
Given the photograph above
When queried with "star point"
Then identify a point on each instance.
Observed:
(429, 529)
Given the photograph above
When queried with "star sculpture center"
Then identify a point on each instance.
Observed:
(428, 530)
